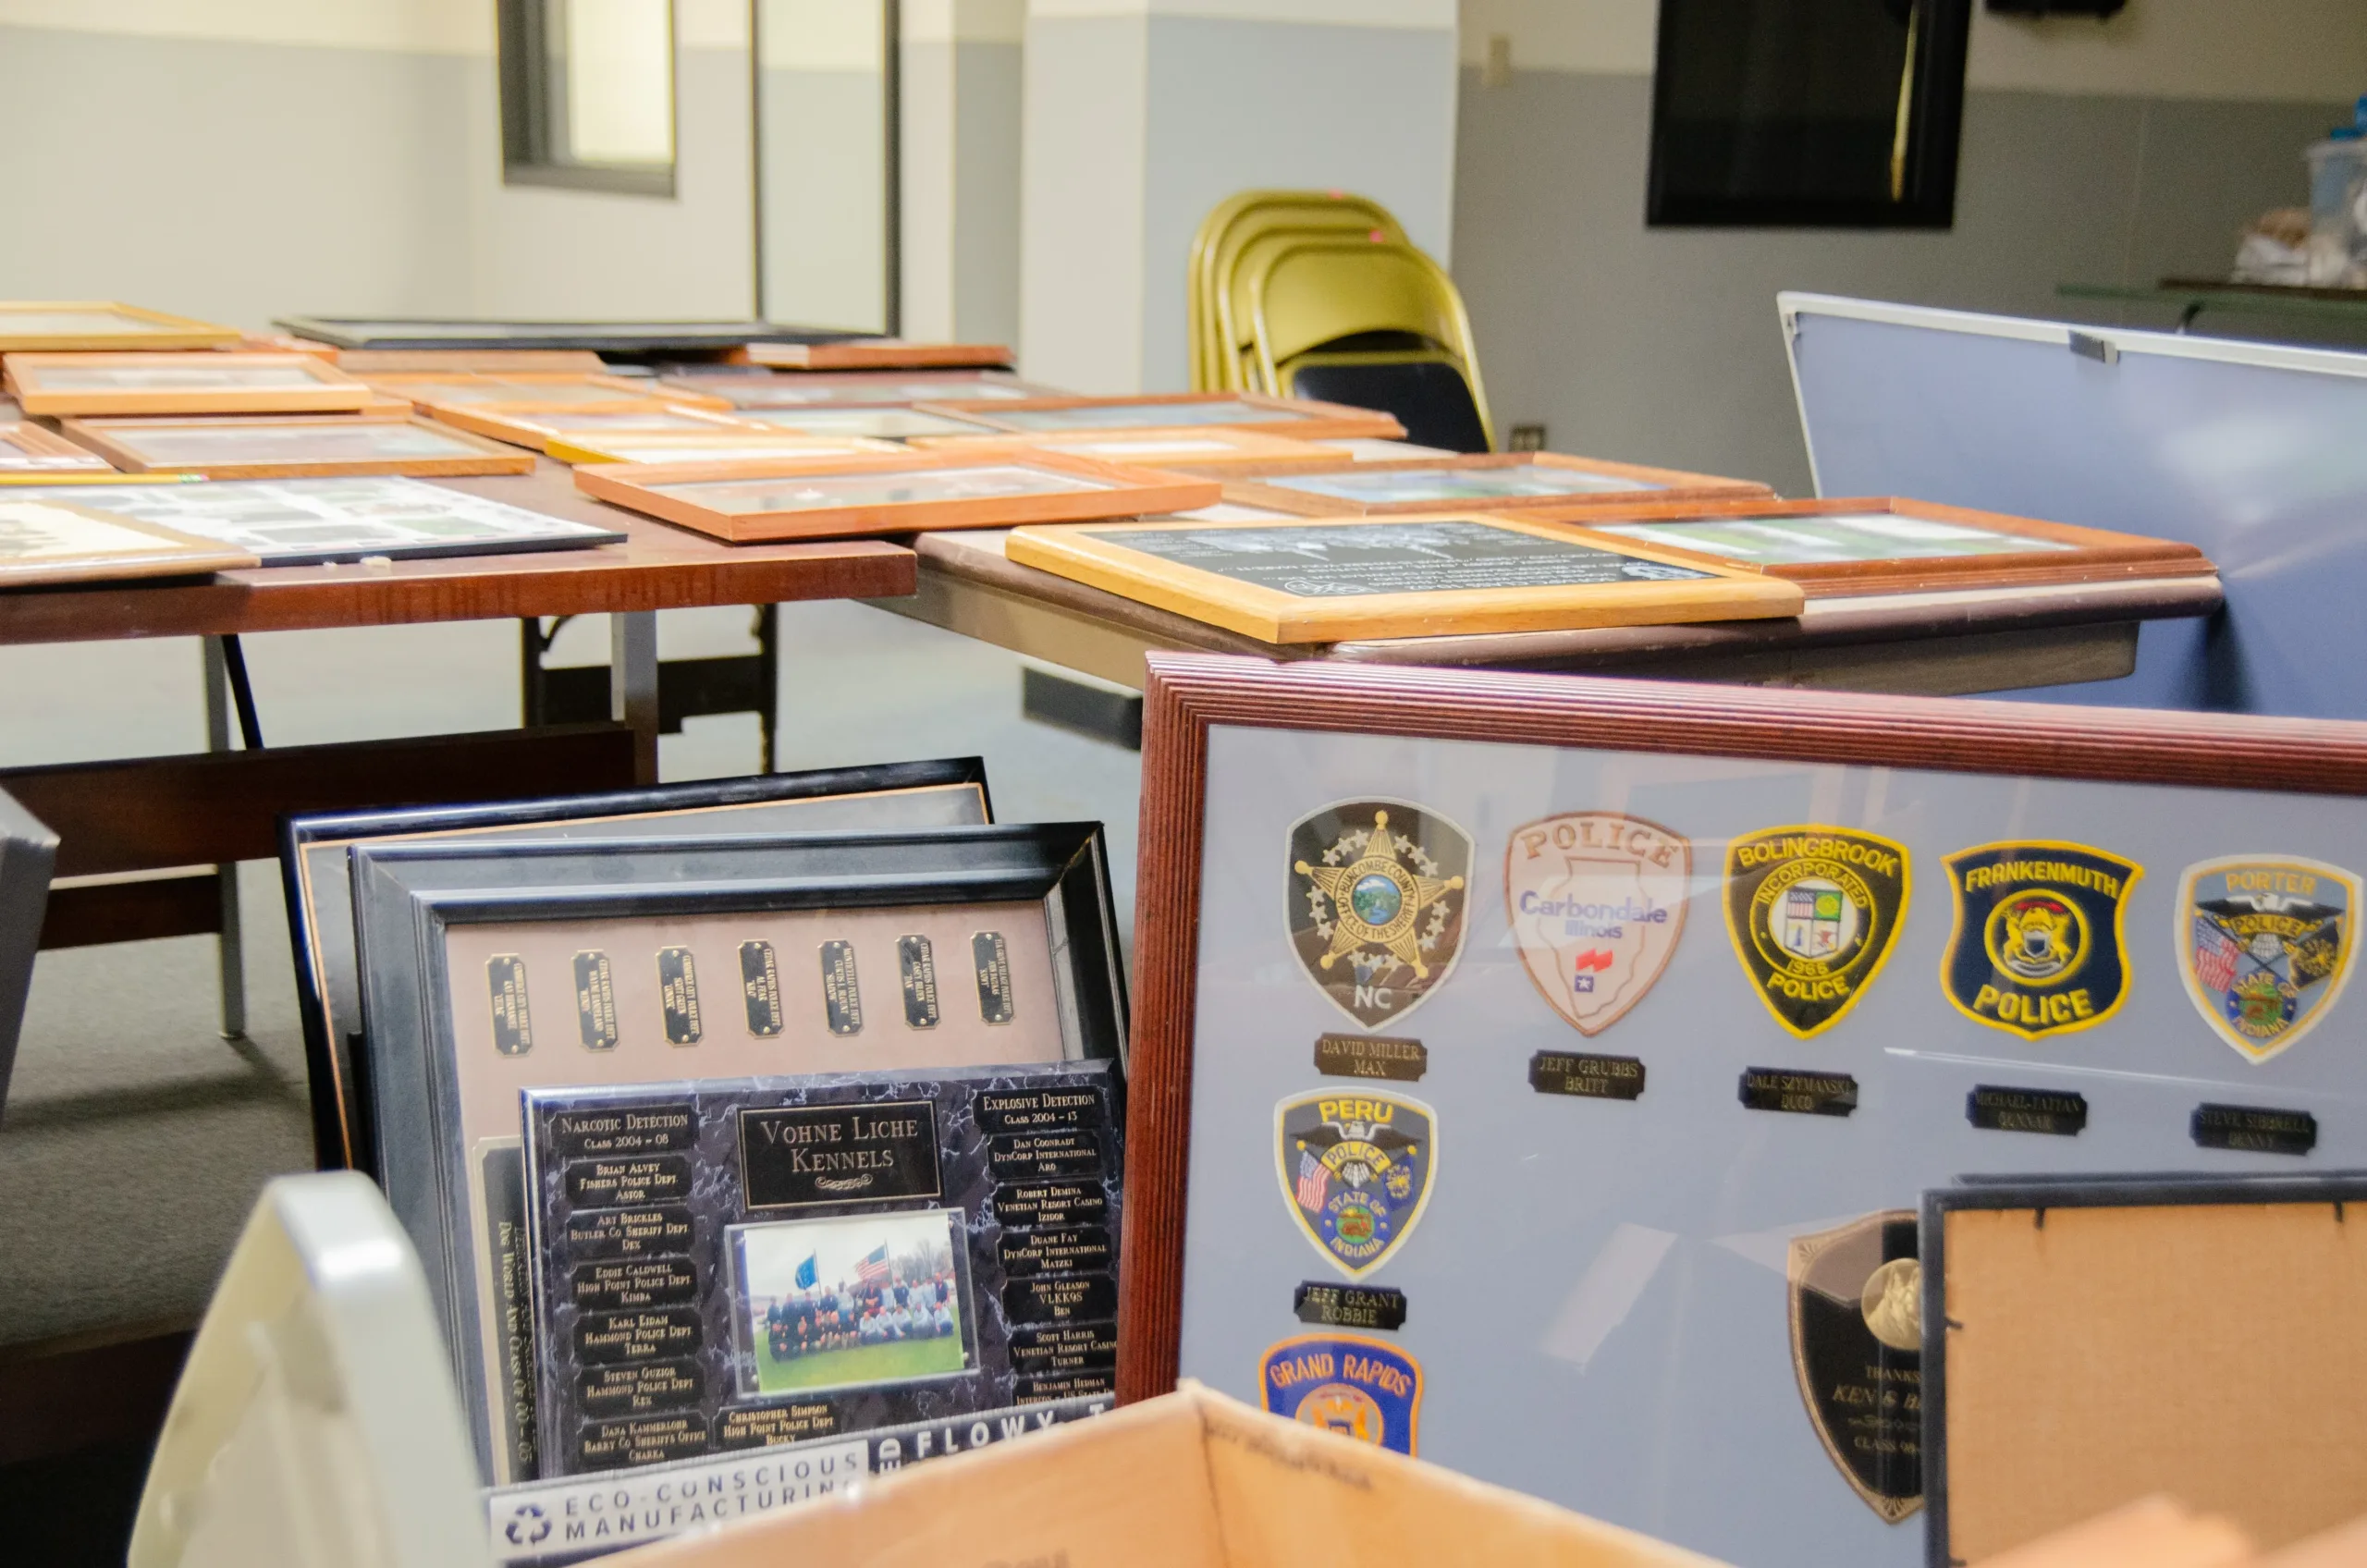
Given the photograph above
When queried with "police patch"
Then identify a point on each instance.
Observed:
(2038, 948)
(1813, 912)
(1355, 1167)
(1377, 904)
(2263, 943)
(1358, 1387)
(1596, 902)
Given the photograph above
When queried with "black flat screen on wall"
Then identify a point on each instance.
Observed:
(1808, 113)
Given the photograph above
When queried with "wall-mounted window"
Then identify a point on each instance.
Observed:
(587, 95)
(1808, 113)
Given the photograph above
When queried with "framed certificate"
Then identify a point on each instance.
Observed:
(527, 391)
(50, 536)
(1493, 480)
(764, 389)
(1659, 1007)
(180, 384)
(1883, 545)
(732, 446)
(1216, 450)
(539, 428)
(754, 501)
(315, 866)
(1301, 418)
(292, 446)
(891, 422)
(487, 969)
(27, 449)
(67, 327)
(876, 353)
(1332, 579)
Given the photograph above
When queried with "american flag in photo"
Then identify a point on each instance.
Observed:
(1313, 1182)
(873, 1268)
(2215, 953)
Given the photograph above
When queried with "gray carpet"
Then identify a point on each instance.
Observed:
(135, 1137)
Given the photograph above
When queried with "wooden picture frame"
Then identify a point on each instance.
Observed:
(1302, 418)
(1532, 481)
(2058, 552)
(851, 389)
(1215, 451)
(876, 353)
(1074, 488)
(670, 447)
(367, 363)
(223, 383)
(527, 391)
(275, 445)
(28, 448)
(538, 428)
(895, 422)
(45, 540)
(106, 325)
(1257, 585)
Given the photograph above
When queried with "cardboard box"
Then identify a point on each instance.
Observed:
(1188, 1480)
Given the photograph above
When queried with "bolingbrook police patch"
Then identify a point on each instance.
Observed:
(1358, 1387)
(1813, 912)
(2037, 947)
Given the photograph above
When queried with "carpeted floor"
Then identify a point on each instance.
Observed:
(135, 1137)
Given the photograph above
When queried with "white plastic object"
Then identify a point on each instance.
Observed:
(315, 1424)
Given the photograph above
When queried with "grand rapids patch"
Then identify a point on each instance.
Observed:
(2038, 946)
(1597, 901)
(1356, 1167)
(1358, 1387)
(2264, 944)
(1377, 904)
(1813, 912)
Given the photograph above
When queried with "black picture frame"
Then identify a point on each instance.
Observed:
(409, 896)
(2042, 1193)
(314, 873)
(1934, 132)
(627, 337)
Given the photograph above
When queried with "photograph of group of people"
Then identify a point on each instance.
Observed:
(837, 1302)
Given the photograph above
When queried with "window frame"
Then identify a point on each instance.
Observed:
(524, 84)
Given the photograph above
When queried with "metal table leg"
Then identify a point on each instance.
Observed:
(230, 950)
(632, 684)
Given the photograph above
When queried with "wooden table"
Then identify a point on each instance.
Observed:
(1934, 643)
(124, 822)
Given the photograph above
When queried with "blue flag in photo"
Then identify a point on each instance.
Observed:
(807, 1274)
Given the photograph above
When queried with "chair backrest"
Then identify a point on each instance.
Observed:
(1234, 332)
(28, 854)
(315, 1424)
(1426, 388)
(1305, 294)
(1235, 224)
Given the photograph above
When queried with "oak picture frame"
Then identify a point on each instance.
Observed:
(1661, 589)
(1303, 418)
(1591, 482)
(28, 448)
(1085, 490)
(850, 390)
(1214, 451)
(150, 329)
(120, 441)
(537, 428)
(664, 446)
(522, 391)
(99, 546)
(876, 353)
(2063, 553)
(43, 384)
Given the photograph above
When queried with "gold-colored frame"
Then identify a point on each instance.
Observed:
(1301, 419)
(1131, 491)
(118, 441)
(160, 331)
(327, 389)
(1253, 487)
(1098, 557)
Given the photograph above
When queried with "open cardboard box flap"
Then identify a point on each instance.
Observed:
(1192, 1480)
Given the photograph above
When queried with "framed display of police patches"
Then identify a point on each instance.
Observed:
(1544, 1073)
(733, 1264)
(314, 867)
(490, 968)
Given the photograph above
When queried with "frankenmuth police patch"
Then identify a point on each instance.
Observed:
(2263, 943)
(1813, 912)
(1355, 1167)
(2037, 948)
(1377, 904)
(1358, 1387)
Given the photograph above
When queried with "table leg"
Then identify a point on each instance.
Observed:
(632, 684)
(230, 950)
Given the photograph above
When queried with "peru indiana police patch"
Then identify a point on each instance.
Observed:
(2037, 947)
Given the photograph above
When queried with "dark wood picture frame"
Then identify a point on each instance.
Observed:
(1188, 694)
(1301, 418)
(1255, 486)
(2097, 554)
(1117, 493)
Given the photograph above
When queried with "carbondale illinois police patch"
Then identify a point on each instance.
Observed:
(1355, 1167)
(1813, 912)
(2037, 948)
(1358, 1387)
(1596, 902)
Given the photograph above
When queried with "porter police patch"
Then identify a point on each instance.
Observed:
(1813, 912)
(1358, 1387)
(1355, 1167)
(2264, 942)
(1377, 904)
(2037, 948)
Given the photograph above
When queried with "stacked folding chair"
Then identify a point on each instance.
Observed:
(1320, 294)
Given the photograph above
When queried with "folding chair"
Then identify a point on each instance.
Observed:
(1217, 247)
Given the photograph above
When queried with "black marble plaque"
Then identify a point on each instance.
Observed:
(809, 1156)
(1325, 561)
(1371, 1056)
(1804, 1093)
(1996, 1107)
(1586, 1076)
(1350, 1307)
(656, 1129)
(760, 987)
(2254, 1128)
(678, 994)
(596, 1000)
(513, 1027)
